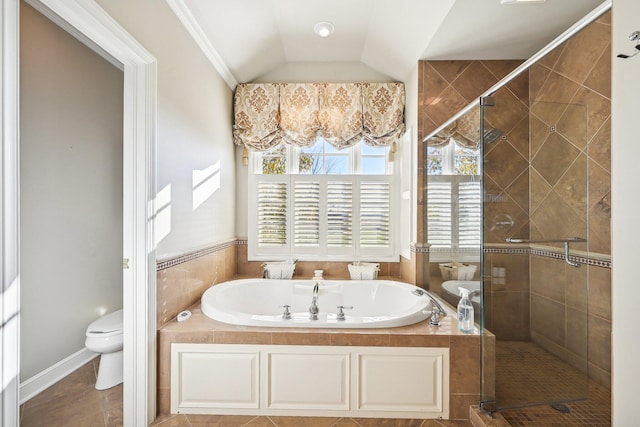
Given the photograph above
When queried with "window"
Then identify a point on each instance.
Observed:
(454, 215)
(321, 203)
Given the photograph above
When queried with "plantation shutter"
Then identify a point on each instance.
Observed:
(439, 213)
(306, 213)
(375, 205)
(304, 216)
(272, 214)
(469, 215)
(340, 214)
(454, 214)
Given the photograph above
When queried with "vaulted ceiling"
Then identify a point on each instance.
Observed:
(250, 38)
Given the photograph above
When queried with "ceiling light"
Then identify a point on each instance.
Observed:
(521, 1)
(323, 29)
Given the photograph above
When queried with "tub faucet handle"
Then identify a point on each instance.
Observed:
(286, 314)
(340, 315)
(435, 318)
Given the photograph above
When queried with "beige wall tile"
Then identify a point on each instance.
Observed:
(510, 315)
(418, 340)
(600, 292)
(459, 405)
(548, 319)
(599, 79)
(553, 97)
(450, 70)
(600, 146)
(577, 335)
(600, 343)
(359, 339)
(576, 287)
(464, 364)
(300, 338)
(241, 337)
(583, 50)
(473, 81)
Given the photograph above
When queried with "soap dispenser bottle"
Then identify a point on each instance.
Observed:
(465, 312)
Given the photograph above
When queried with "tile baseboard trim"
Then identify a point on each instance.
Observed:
(45, 379)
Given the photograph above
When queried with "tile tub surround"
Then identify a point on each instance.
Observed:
(181, 280)
(464, 387)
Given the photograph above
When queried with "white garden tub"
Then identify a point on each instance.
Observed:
(260, 302)
(452, 287)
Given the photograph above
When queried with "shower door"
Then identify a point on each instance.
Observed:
(535, 213)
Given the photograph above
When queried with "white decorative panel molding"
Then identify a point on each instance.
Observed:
(216, 379)
(341, 381)
(299, 381)
(391, 382)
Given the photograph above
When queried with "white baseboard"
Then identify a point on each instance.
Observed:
(53, 374)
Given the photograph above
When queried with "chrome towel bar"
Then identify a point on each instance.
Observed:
(565, 240)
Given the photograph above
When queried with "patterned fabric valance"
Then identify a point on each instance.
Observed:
(465, 132)
(297, 113)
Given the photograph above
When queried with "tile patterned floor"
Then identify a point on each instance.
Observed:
(75, 402)
(240, 421)
(542, 375)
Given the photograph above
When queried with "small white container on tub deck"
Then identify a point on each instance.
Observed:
(364, 270)
(278, 270)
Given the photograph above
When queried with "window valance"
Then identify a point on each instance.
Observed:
(266, 114)
(465, 132)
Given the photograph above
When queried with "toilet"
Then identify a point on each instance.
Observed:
(104, 336)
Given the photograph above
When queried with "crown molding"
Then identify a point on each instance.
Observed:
(191, 24)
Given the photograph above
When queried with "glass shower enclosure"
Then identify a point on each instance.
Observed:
(518, 176)
(535, 221)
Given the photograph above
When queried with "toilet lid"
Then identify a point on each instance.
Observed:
(108, 324)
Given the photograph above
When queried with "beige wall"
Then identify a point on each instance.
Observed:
(70, 190)
(193, 131)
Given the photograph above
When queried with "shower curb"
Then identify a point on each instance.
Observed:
(480, 418)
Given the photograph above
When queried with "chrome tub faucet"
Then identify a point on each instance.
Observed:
(313, 309)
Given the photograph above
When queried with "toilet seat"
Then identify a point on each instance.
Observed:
(105, 336)
(106, 326)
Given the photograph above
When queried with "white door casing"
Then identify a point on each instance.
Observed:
(92, 25)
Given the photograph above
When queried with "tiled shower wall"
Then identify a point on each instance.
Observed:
(571, 141)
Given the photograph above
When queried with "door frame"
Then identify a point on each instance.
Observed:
(88, 22)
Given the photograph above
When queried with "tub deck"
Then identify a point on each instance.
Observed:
(464, 350)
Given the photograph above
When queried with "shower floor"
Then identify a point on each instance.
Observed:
(528, 373)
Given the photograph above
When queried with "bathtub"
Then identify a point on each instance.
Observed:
(451, 294)
(260, 302)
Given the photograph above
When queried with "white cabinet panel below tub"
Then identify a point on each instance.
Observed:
(222, 379)
(380, 382)
(408, 382)
(303, 381)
